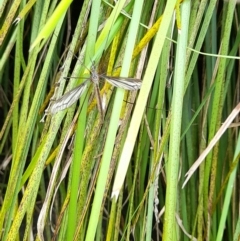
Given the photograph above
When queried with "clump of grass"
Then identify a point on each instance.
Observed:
(76, 177)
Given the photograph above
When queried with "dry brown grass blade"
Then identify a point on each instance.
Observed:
(216, 138)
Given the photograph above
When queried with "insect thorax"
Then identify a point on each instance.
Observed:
(95, 78)
(94, 75)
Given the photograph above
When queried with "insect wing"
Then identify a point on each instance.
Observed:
(124, 83)
(68, 99)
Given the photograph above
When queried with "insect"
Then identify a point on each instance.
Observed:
(72, 96)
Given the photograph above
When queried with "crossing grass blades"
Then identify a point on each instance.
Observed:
(72, 96)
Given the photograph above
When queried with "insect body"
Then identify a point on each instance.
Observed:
(72, 96)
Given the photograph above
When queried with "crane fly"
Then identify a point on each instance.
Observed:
(73, 95)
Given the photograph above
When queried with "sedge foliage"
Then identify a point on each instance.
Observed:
(76, 176)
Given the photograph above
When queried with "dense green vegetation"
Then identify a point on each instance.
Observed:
(80, 174)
